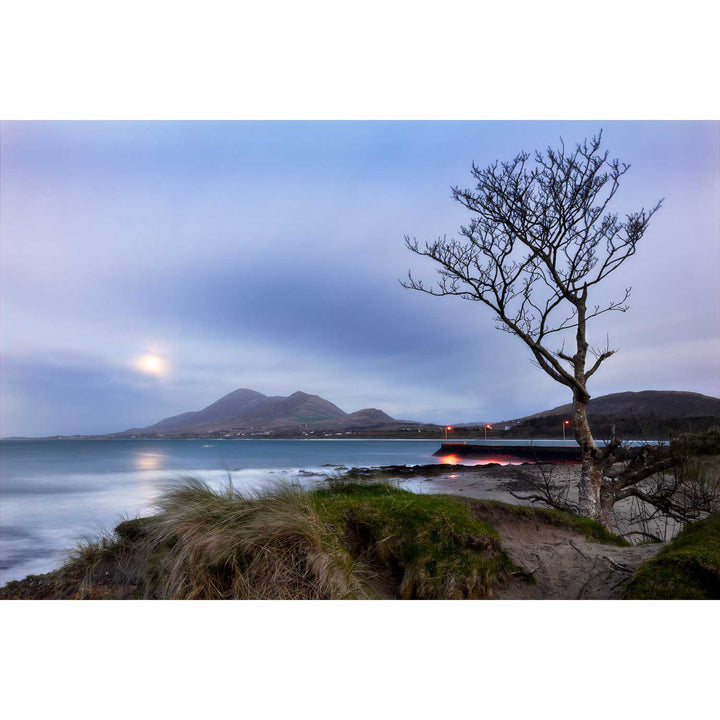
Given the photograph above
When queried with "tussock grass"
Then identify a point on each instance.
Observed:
(206, 545)
(111, 559)
(348, 540)
(688, 568)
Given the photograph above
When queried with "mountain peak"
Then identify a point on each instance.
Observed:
(242, 393)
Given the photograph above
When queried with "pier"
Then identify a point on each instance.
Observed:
(508, 453)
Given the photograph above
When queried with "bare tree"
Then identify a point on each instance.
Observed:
(662, 487)
(540, 238)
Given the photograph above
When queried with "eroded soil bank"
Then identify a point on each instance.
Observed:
(564, 563)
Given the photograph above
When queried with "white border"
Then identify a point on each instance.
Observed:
(358, 659)
(154, 59)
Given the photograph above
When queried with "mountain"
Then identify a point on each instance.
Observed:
(223, 410)
(250, 410)
(673, 404)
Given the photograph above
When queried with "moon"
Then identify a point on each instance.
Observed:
(151, 365)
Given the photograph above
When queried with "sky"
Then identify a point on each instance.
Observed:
(148, 268)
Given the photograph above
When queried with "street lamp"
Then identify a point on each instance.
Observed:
(448, 428)
(565, 423)
(487, 427)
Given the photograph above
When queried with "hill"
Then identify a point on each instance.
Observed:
(248, 410)
(651, 414)
(660, 403)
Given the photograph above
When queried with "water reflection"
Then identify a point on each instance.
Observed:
(148, 461)
(488, 460)
(498, 460)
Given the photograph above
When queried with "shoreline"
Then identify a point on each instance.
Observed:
(486, 481)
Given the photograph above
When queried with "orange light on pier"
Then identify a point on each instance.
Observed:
(450, 459)
(487, 427)
(565, 424)
(448, 428)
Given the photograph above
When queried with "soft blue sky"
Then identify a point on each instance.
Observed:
(267, 255)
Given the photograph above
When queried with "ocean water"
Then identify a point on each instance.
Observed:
(55, 492)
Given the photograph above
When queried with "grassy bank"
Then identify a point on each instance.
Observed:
(688, 568)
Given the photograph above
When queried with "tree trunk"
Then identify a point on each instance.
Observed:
(591, 502)
(590, 475)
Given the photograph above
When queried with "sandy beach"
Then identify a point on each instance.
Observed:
(484, 482)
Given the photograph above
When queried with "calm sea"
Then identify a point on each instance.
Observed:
(54, 492)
